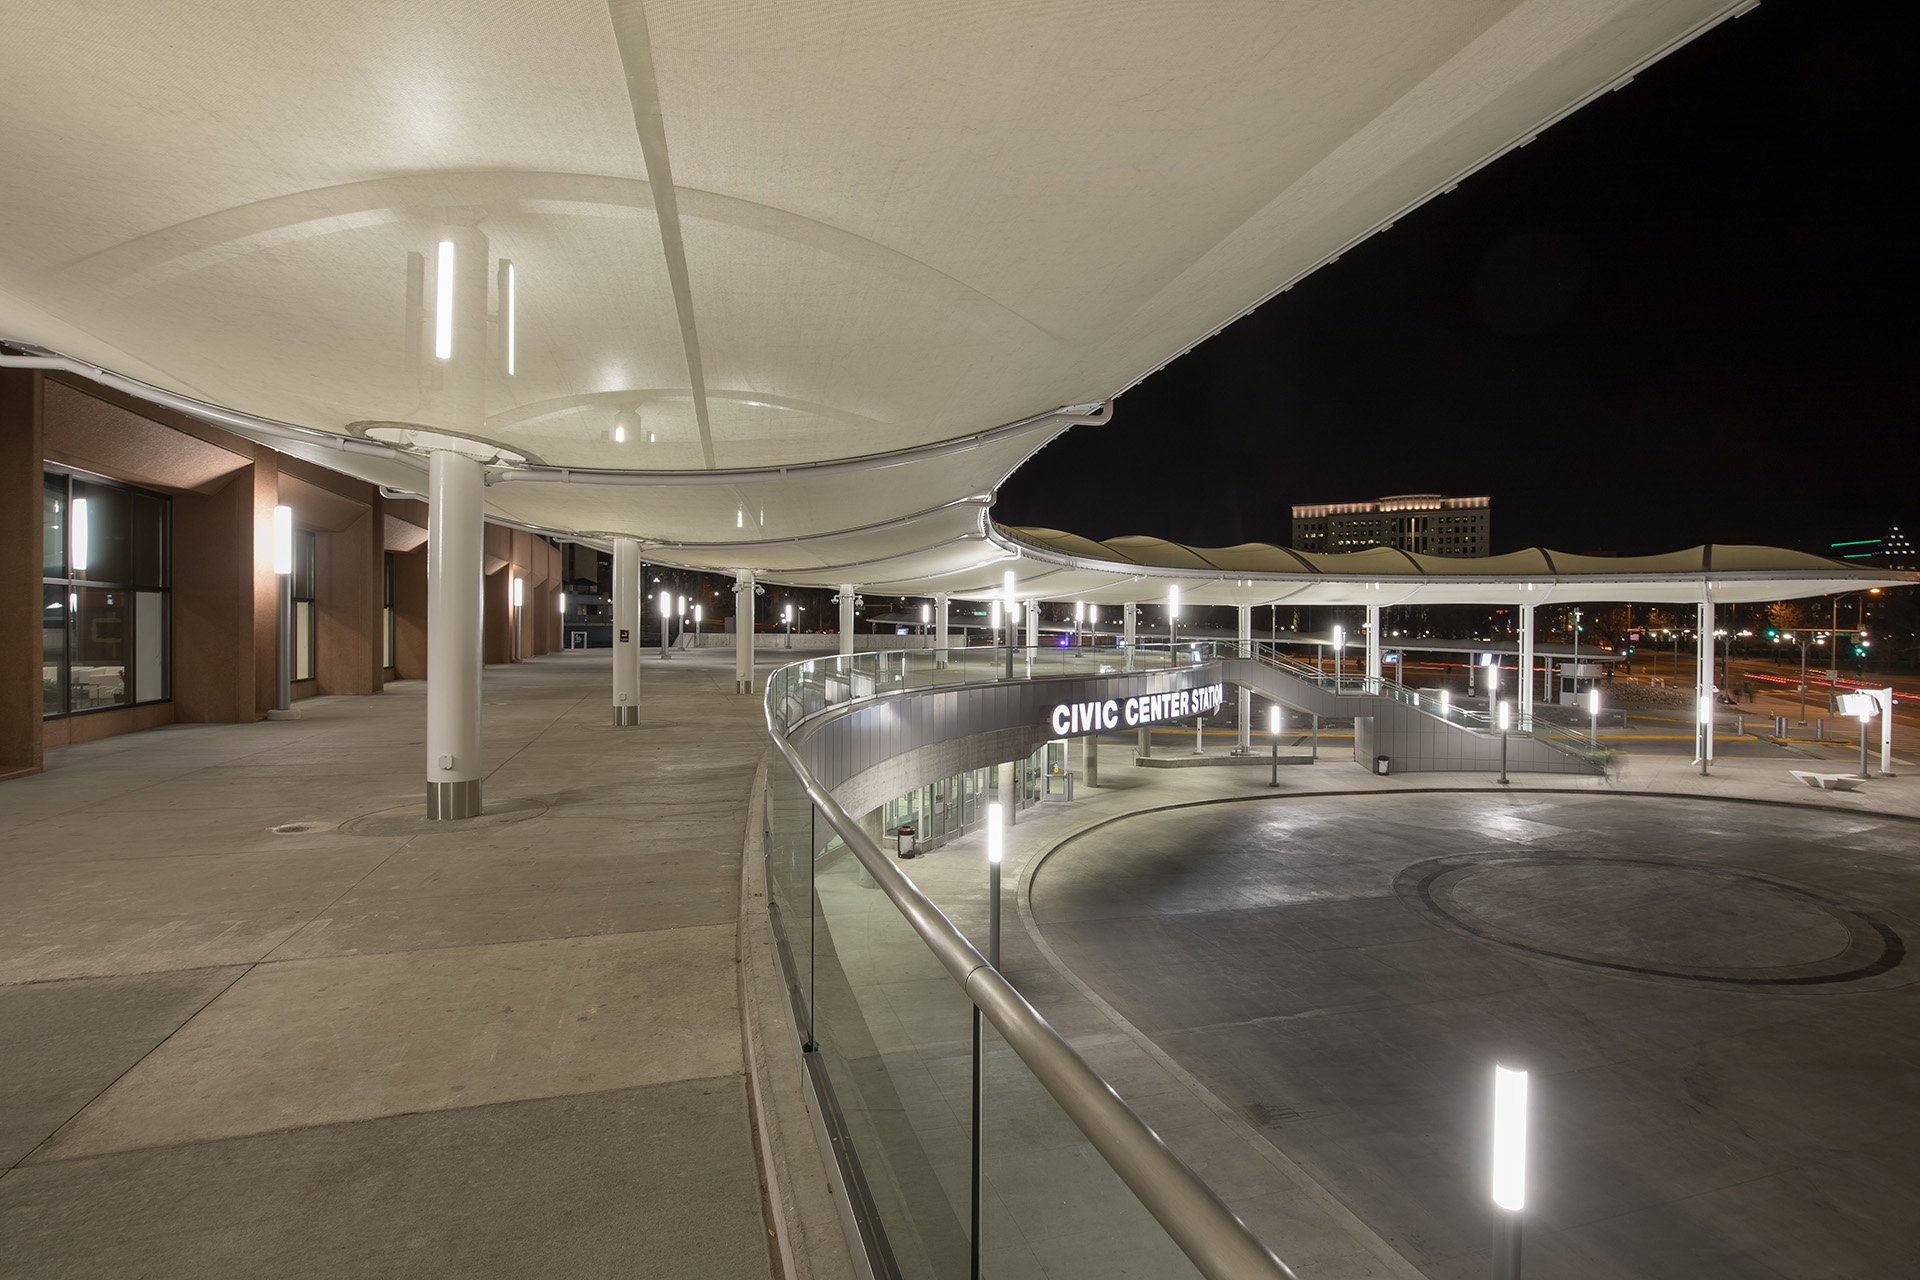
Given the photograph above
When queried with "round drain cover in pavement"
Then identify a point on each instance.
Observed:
(1656, 918)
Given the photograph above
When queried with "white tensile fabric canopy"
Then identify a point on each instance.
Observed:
(660, 261)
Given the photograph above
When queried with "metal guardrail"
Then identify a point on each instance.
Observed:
(1216, 1241)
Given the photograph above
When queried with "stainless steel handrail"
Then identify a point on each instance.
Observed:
(1216, 1241)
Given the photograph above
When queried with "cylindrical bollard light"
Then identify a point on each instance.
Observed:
(1509, 1169)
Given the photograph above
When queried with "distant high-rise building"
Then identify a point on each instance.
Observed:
(1891, 551)
(1429, 523)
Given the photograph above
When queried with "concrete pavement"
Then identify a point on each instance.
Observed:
(262, 1020)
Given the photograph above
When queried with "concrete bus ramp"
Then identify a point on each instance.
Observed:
(1415, 741)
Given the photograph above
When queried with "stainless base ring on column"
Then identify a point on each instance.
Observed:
(626, 716)
(447, 801)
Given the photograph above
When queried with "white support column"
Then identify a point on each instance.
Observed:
(1244, 706)
(1033, 624)
(1525, 674)
(846, 598)
(455, 535)
(942, 639)
(626, 631)
(1128, 628)
(1703, 691)
(743, 613)
(1373, 642)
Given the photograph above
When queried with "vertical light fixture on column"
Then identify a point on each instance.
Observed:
(1339, 653)
(666, 618)
(283, 608)
(697, 611)
(787, 617)
(926, 625)
(1593, 713)
(1509, 1169)
(517, 599)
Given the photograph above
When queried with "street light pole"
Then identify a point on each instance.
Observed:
(1804, 639)
(1173, 625)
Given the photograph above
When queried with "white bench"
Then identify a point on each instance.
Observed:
(1828, 781)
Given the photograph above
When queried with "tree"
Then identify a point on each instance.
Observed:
(1789, 615)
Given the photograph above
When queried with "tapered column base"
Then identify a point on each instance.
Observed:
(626, 717)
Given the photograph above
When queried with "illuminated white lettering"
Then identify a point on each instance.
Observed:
(1059, 720)
(1109, 714)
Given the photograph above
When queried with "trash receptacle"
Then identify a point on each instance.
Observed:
(903, 841)
(1382, 765)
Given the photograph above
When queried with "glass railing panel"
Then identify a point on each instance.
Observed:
(1050, 1205)
(895, 1035)
(790, 850)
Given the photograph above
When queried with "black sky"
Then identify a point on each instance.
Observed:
(1683, 315)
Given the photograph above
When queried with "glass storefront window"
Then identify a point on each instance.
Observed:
(305, 616)
(53, 523)
(99, 547)
(100, 637)
(53, 648)
(105, 623)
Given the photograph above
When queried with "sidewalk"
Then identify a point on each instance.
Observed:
(263, 1020)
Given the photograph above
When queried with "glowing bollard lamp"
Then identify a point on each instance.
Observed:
(1273, 731)
(1509, 1169)
(1503, 744)
(517, 591)
(283, 616)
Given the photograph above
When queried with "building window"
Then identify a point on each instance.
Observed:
(305, 617)
(105, 595)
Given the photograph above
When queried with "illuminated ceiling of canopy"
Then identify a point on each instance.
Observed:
(661, 261)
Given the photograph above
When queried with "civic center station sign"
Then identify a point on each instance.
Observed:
(1070, 718)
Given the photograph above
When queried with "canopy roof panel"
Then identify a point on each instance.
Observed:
(741, 235)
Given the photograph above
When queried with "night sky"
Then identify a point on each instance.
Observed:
(1683, 315)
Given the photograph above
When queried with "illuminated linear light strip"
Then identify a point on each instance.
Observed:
(509, 309)
(443, 303)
